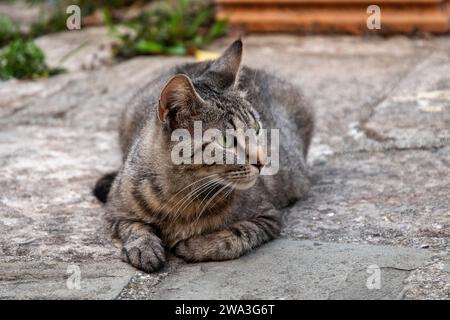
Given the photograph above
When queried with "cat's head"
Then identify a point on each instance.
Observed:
(212, 98)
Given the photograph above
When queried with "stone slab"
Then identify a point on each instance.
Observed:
(289, 269)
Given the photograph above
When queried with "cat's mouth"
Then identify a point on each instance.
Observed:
(243, 178)
(245, 185)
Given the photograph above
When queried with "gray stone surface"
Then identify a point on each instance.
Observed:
(21, 12)
(379, 162)
(56, 280)
(284, 269)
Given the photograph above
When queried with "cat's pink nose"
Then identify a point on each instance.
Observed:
(259, 166)
(260, 159)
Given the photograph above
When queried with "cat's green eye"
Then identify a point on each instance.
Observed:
(225, 141)
(258, 127)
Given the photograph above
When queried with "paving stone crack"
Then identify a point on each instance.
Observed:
(364, 119)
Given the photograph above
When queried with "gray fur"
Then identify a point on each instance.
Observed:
(147, 180)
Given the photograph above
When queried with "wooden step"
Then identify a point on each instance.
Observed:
(368, 2)
(397, 16)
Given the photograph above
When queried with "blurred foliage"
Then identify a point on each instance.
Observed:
(89, 6)
(174, 29)
(171, 27)
(22, 59)
(55, 21)
(8, 31)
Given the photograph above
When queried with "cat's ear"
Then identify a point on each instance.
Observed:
(223, 72)
(179, 92)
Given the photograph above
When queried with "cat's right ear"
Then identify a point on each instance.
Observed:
(178, 94)
(224, 72)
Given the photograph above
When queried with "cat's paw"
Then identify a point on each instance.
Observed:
(221, 245)
(184, 250)
(144, 254)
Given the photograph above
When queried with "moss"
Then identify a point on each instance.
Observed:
(8, 31)
(171, 29)
(22, 59)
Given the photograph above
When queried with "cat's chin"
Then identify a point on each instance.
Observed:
(245, 185)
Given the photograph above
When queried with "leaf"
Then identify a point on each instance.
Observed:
(217, 30)
(107, 17)
(147, 46)
(174, 28)
(201, 18)
(176, 50)
(22, 59)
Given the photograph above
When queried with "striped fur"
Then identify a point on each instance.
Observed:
(197, 211)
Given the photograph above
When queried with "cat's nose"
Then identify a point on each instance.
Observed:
(259, 165)
(260, 159)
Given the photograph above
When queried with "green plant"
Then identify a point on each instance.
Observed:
(22, 59)
(53, 17)
(54, 23)
(8, 31)
(171, 29)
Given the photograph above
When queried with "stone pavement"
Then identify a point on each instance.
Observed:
(380, 164)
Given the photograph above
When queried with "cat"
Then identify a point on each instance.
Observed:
(204, 212)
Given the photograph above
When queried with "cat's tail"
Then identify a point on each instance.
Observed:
(103, 185)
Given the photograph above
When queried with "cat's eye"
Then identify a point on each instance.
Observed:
(225, 141)
(258, 127)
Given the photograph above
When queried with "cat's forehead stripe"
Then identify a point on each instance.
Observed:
(243, 115)
(255, 115)
(250, 115)
(238, 123)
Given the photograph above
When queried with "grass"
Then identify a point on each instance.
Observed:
(54, 23)
(8, 31)
(22, 59)
(171, 29)
(53, 17)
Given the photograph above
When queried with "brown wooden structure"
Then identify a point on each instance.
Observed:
(397, 16)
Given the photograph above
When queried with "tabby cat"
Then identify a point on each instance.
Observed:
(204, 212)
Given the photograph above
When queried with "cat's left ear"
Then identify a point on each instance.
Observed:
(178, 95)
(224, 72)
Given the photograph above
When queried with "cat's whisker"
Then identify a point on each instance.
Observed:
(238, 174)
(199, 214)
(193, 193)
(212, 198)
(206, 196)
(199, 206)
(186, 187)
(188, 198)
(176, 209)
(226, 193)
(208, 189)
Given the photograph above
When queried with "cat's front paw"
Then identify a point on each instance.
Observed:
(185, 251)
(221, 245)
(144, 253)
